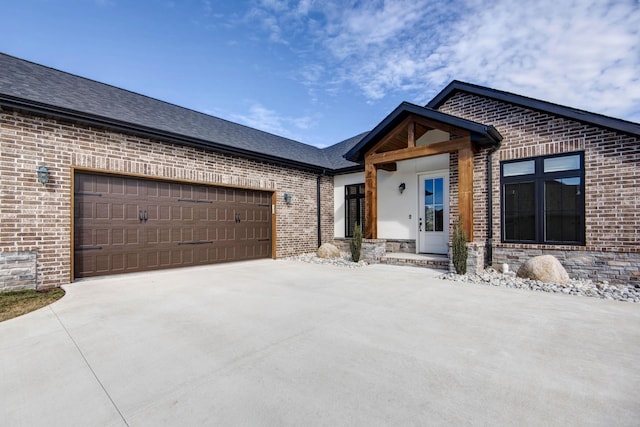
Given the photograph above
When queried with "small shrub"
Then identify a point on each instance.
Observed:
(356, 243)
(459, 248)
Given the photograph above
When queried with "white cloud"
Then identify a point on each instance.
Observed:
(581, 53)
(263, 118)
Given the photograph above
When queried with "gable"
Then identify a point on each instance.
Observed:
(411, 122)
(582, 116)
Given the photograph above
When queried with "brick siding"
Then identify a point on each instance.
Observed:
(612, 176)
(37, 218)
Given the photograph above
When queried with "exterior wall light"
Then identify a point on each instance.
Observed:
(401, 187)
(43, 174)
(287, 198)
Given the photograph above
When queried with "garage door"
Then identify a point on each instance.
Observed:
(124, 224)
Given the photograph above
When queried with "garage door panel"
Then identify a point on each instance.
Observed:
(103, 264)
(109, 186)
(83, 238)
(102, 211)
(151, 211)
(184, 224)
(118, 237)
(102, 237)
(85, 266)
(125, 262)
(164, 213)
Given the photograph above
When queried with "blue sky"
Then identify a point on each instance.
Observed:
(323, 71)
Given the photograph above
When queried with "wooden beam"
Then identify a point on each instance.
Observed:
(465, 189)
(441, 126)
(370, 201)
(389, 167)
(397, 130)
(411, 132)
(423, 151)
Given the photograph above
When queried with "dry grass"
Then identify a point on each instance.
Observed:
(17, 303)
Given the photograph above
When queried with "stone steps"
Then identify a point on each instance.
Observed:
(439, 262)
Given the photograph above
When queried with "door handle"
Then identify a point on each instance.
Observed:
(420, 225)
(145, 216)
(140, 215)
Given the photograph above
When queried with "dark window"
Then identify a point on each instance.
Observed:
(354, 207)
(543, 200)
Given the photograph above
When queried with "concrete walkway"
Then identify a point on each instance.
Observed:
(286, 343)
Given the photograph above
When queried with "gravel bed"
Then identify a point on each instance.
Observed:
(343, 261)
(584, 287)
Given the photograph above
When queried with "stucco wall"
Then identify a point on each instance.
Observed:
(397, 213)
(38, 218)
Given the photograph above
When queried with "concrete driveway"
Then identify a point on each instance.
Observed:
(287, 343)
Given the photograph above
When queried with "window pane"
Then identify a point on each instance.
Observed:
(564, 163)
(354, 207)
(526, 167)
(428, 191)
(351, 216)
(439, 218)
(428, 218)
(519, 211)
(438, 191)
(563, 210)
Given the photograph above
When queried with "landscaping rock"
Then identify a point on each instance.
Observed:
(327, 250)
(343, 261)
(544, 268)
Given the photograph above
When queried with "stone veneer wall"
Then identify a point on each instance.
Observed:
(17, 270)
(614, 267)
(391, 245)
(476, 257)
(37, 218)
(612, 174)
(372, 250)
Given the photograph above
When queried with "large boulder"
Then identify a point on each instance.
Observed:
(327, 250)
(545, 268)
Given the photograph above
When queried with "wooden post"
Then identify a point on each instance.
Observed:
(370, 200)
(465, 189)
(411, 135)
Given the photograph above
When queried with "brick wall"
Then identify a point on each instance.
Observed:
(612, 174)
(38, 218)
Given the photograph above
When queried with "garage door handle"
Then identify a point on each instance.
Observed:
(140, 215)
(237, 218)
(145, 216)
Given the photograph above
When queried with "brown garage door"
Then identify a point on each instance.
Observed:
(124, 224)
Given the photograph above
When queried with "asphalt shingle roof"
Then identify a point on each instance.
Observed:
(40, 89)
(35, 87)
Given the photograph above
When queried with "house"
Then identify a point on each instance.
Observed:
(97, 180)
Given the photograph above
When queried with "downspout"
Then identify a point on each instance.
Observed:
(318, 208)
(490, 201)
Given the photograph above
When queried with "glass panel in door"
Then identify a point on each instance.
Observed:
(433, 227)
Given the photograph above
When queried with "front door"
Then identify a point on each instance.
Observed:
(433, 217)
